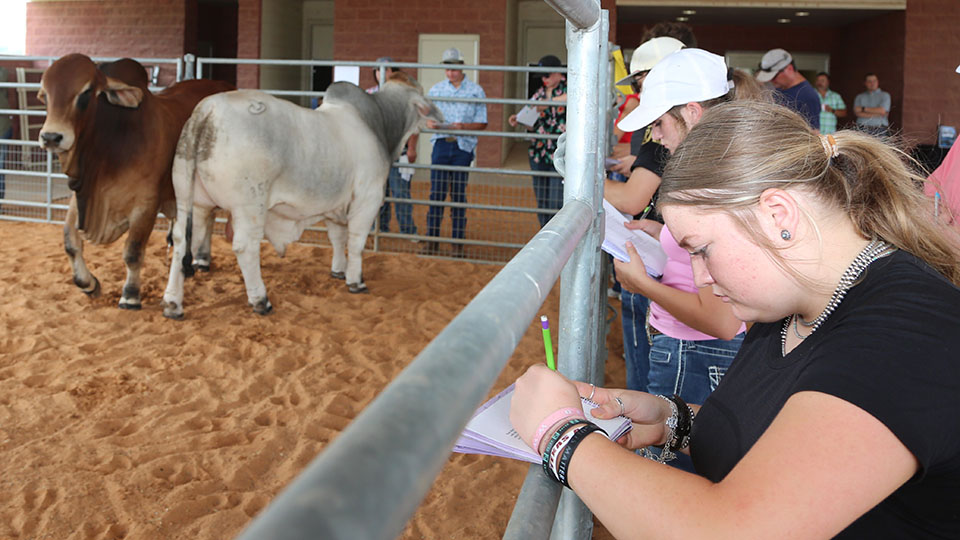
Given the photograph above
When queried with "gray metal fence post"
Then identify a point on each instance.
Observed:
(189, 67)
(580, 314)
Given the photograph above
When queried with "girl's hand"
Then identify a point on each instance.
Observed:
(633, 275)
(648, 226)
(648, 413)
(538, 393)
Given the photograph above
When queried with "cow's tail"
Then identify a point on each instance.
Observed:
(185, 177)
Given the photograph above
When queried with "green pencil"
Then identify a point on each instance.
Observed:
(547, 342)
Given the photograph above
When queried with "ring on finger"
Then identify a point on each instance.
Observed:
(593, 389)
(620, 402)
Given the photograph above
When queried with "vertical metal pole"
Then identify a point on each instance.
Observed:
(605, 119)
(192, 68)
(580, 315)
(49, 186)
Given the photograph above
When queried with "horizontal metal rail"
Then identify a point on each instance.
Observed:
(460, 168)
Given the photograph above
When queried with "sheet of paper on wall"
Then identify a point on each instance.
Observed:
(347, 74)
(490, 433)
(528, 116)
(616, 235)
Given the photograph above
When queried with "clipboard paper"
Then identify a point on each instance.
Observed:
(490, 433)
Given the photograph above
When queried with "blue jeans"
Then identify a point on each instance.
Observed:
(4, 149)
(398, 188)
(689, 369)
(636, 348)
(448, 153)
(547, 189)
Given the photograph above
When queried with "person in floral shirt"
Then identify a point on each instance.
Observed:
(552, 120)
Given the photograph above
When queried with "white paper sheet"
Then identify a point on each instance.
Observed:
(346, 74)
(616, 235)
(489, 432)
(528, 116)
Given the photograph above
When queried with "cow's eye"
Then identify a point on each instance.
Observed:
(84, 99)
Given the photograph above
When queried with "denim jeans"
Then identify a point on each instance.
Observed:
(689, 369)
(636, 348)
(448, 153)
(547, 189)
(398, 188)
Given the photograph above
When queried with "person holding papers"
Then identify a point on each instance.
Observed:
(838, 418)
(546, 120)
(693, 335)
(635, 197)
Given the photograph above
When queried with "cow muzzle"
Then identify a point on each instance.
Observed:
(55, 141)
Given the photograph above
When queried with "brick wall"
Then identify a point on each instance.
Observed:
(367, 29)
(134, 28)
(932, 52)
(107, 28)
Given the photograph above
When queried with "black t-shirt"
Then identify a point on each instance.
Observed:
(892, 348)
(653, 157)
(650, 155)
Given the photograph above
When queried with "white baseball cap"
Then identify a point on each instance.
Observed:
(451, 56)
(772, 62)
(686, 76)
(648, 54)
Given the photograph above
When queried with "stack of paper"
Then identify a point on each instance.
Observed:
(490, 432)
(616, 235)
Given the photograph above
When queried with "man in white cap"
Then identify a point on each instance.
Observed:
(793, 90)
(449, 149)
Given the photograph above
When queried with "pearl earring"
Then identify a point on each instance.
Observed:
(785, 234)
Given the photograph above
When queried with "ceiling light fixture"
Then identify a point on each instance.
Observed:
(683, 19)
(689, 12)
(783, 21)
(802, 13)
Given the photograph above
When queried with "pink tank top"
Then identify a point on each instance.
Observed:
(678, 274)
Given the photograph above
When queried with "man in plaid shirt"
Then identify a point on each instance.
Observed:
(831, 105)
(452, 149)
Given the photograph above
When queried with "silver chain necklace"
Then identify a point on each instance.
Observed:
(874, 250)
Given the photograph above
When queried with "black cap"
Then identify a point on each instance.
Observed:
(549, 61)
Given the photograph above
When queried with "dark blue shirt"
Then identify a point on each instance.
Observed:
(804, 99)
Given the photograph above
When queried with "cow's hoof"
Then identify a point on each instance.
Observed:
(338, 275)
(263, 307)
(172, 311)
(202, 267)
(357, 288)
(128, 305)
(94, 292)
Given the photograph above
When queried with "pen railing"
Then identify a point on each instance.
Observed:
(370, 480)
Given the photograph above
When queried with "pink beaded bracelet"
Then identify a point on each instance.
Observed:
(553, 419)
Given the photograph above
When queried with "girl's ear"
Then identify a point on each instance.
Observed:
(692, 113)
(779, 211)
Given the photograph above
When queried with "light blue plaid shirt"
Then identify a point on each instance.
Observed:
(828, 120)
(454, 112)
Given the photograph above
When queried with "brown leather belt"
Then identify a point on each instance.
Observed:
(450, 139)
(651, 331)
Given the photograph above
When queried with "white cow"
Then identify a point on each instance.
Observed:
(278, 168)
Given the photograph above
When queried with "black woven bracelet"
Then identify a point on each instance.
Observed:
(553, 441)
(681, 436)
(564, 462)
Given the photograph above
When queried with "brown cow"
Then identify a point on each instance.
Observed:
(116, 142)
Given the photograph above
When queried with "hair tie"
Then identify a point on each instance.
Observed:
(829, 146)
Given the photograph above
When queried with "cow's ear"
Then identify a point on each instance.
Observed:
(122, 94)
